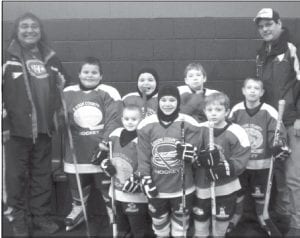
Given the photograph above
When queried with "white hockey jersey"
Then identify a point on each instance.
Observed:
(93, 115)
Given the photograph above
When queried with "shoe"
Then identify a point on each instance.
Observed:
(45, 224)
(74, 218)
(293, 233)
(20, 227)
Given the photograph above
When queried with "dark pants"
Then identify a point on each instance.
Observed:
(132, 217)
(28, 166)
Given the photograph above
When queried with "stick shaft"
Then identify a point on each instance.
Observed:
(113, 196)
(183, 183)
(212, 185)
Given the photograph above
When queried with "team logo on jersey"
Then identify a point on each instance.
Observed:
(222, 214)
(88, 115)
(36, 68)
(151, 208)
(257, 192)
(198, 211)
(131, 208)
(255, 136)
(149, 112)
(164, 154)
(123, 167)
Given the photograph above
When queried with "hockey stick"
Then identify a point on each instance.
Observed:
(271, 228)
(212, 184)
(74, 158)
(113, 197)
(183, 183)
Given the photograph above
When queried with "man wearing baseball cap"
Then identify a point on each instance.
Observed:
(278, 67)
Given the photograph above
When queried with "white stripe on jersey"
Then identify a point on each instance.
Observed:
(296, 65)
(113, 93)
(240, 134)
(221, 190)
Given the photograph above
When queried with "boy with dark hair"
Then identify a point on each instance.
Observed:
(222, 165)
(93, 112)
(278, 67)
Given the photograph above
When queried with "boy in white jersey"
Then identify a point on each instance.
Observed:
(193, 93)
(93, 110)
(259, 120)
(221, 165)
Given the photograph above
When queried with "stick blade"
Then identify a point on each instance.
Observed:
(272, 229)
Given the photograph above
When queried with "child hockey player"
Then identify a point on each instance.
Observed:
(193, 93)
(93, 111)
(222, 165)
(146, 95)
(131, 203)
(259, 120)
(160, 163)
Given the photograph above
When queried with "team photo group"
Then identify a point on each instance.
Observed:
(168, 161)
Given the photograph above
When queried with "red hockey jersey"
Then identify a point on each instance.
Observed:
(193, 103)
(234, 146)
(125, 161)
(158, 157)
(135, 99)
(93, 115)
(260, 126)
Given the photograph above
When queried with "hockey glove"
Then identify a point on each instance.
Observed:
(132, 184)
(100, 153)
(149, 187)
(186, 151)
(108, 168)
(208, 158)
(223, 170)
(281, 152)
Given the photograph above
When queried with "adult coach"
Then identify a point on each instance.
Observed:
(278, 66)
(30, 97)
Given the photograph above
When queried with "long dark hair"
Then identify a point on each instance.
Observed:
(29, 15)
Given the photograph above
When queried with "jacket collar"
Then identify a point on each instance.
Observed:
(15, 49)
(279, 46)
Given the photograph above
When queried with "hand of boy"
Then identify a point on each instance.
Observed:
(281, 152)
(100, 153)
(186, 151)
(108, 168)
(208, 158)
(132, 184)
(222, 170)
(149, 187)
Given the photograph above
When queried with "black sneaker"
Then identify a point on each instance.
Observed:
(20, 227)
(45, 223)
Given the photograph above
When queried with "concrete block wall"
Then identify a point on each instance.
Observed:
(225, 46)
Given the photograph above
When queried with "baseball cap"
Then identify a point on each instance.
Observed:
(266, 13)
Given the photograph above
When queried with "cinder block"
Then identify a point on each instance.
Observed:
(101, 49)
(163, 68)
(247, 49)
(61, 49)
(203, 28)
(184, 49)
(215, 49)
(163, 49)
(296, 34)
(132, 49)
(75, 29)
(7, 30)
(151, 28)
(235, 28)
(109, 29)
(72, 69)
(121, 71)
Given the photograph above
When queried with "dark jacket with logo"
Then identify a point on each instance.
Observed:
(17, 91)
(280, 71)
